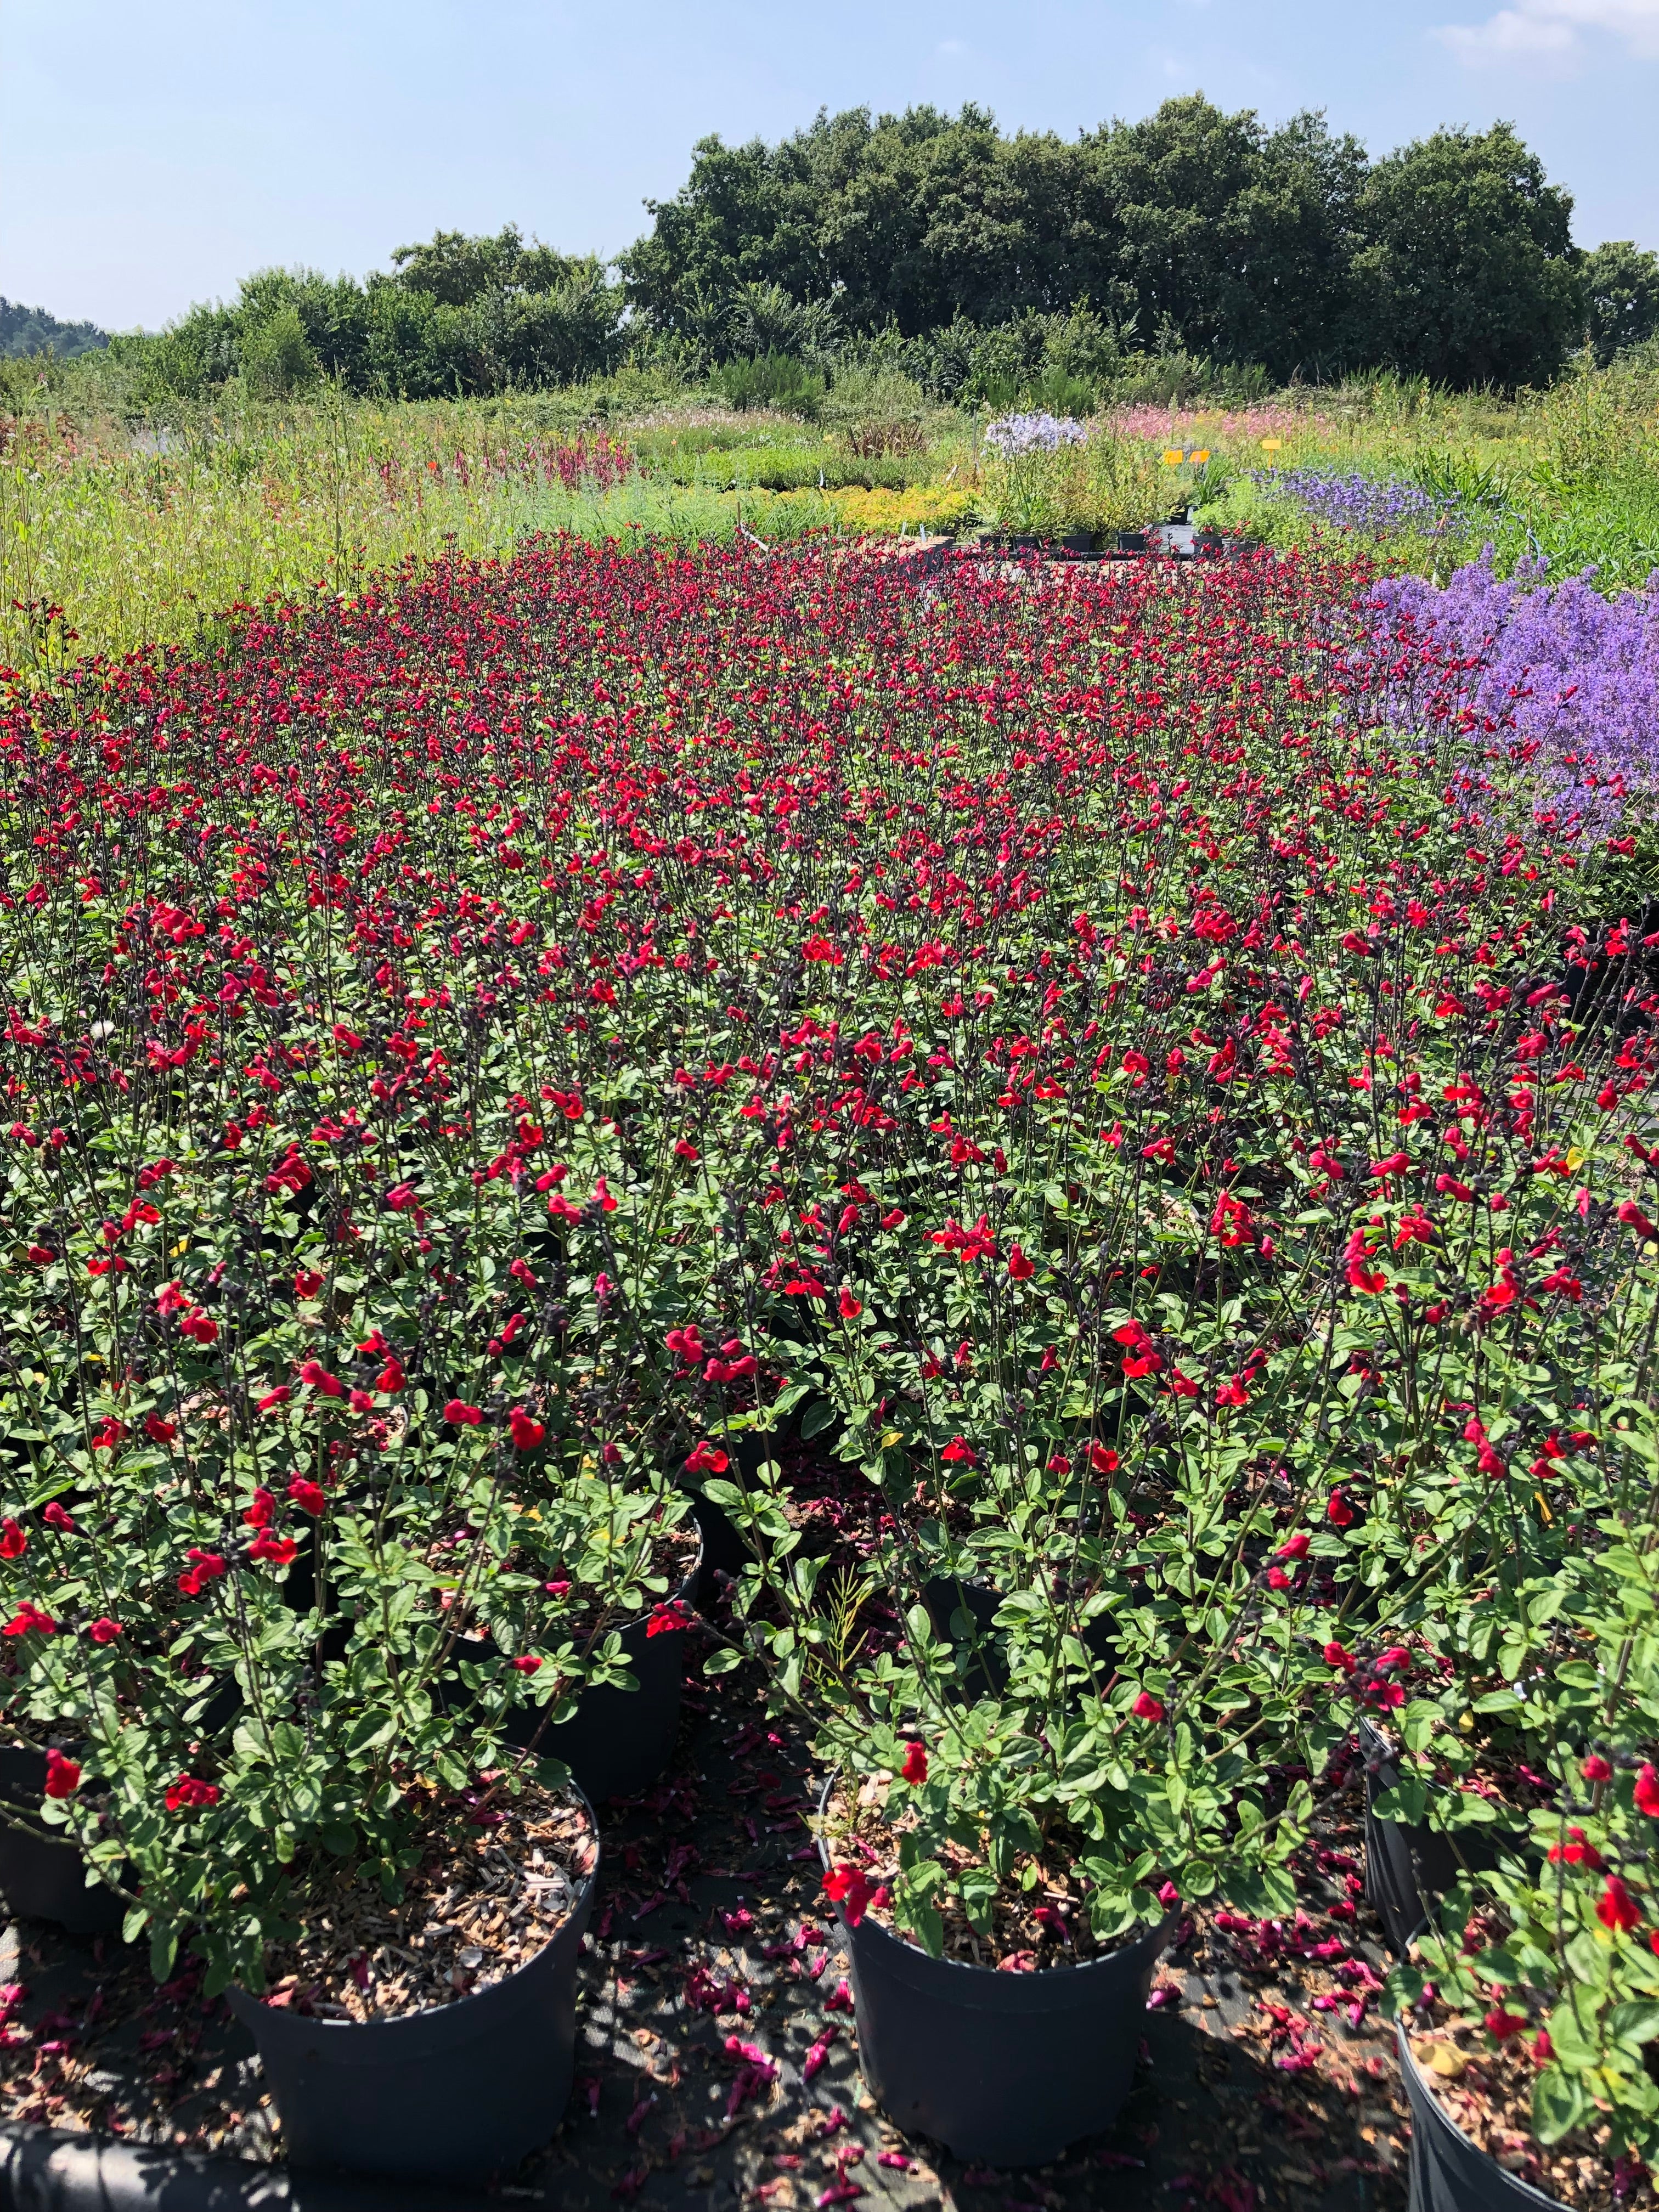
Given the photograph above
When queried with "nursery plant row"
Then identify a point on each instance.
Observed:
(1149, 1067)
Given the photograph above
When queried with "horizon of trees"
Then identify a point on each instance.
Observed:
(980, 264)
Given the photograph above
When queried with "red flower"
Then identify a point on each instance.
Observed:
(28, 1617)
(1101, 1459)
(707, 1459)
(14, 1542)
(1597, 1769)
(103, 1630)
(189, 1794)
(461, 1415)
(207, 1567)
(390, 1378)
(1578, 1851)
(158, 1431)
(851, 1890)
(526, 1433)
(526, 1663)
(107, 1434)
(1617, 1909)
(1502, 2025)
(1647, 1792)
(1146, 1707)
(915, 1769)
(850, 1308)
(1337, 1655)
(200, 1327)
(306, 1282)
(261, 1509)
(667, 1619)
(324, 1384)
(1633, 1218)
(1019, 1268)
(63, 1775)
(960, 1453)
(1294, 1547)
(1338, 1511)
(310, 1497)
(279, 1397)
(277, 1551)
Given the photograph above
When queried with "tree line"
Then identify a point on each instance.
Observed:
(981, 264)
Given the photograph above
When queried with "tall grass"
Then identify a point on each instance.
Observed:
(110, 538)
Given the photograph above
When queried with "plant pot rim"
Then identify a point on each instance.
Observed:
(1416, 2077)
(983, 1975)
(250, 2008)
(78, 2170)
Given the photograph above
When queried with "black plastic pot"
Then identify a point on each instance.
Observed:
(1408, 1868)
(54, 2170)
(1006, 2070)
(1448, 2173)
(617, 1741)
(466, 2089)
(43, 1879)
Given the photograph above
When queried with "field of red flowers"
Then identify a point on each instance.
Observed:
(1132, 1064)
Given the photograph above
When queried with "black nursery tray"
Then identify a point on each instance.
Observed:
(1247, 2097)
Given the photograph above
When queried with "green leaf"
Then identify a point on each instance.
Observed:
(1558, 2104)
(723, 1661)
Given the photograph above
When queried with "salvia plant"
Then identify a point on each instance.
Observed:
(1144, 1070)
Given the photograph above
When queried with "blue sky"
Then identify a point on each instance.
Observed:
(150, 157)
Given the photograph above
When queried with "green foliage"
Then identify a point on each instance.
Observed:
(1210, 236)
(1621, 283)
(1466, 274)
(25, 331)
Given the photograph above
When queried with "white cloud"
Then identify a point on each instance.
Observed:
(1538, 29)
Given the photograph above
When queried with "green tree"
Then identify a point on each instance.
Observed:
(1234, 240)
(1467, 273)
(1621, 297)
(455, 269)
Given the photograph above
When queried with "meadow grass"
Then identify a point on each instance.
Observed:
(115, 534)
